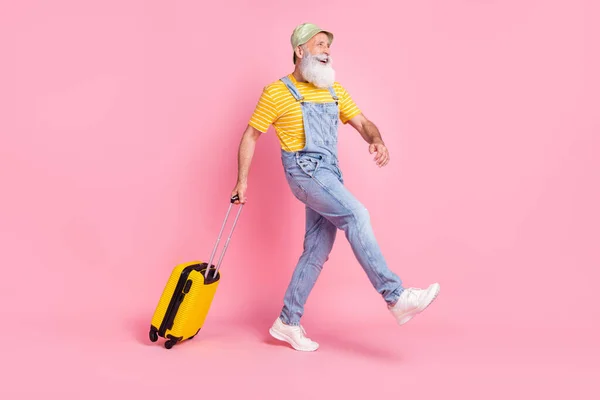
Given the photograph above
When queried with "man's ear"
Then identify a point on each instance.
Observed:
(299, 52)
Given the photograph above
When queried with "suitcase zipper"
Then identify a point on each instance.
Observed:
(179, 294)
(176, 300)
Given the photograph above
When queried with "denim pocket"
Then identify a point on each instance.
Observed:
(333, 114)
(332, 117)
(309, 165)
(339, 173)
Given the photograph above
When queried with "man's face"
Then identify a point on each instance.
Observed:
(315, 63)
(319, 45)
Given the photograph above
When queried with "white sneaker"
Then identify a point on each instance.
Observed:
(412, 301)
(294, 335)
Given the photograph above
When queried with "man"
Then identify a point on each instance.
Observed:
(305, 108)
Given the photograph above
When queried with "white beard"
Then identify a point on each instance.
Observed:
(314, 71)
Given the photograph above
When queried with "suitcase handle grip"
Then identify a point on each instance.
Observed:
(235, 198)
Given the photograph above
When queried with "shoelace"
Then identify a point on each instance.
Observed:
(413, 296)
(303, 331)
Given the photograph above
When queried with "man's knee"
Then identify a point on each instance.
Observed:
(357, 217)
(362, 214)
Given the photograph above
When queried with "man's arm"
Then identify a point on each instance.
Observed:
(371, 135)
(245, 154)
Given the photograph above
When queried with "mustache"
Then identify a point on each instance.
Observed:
(323, 58)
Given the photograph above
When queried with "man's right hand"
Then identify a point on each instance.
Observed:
(240, 190)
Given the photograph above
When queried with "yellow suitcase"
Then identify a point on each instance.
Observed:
(188, 294)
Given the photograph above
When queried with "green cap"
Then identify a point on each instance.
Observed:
(303, 33)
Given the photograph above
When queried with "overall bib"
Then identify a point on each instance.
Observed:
(315, 178)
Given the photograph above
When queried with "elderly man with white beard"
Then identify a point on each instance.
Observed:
(305, 108)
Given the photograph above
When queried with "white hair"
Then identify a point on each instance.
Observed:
(315, 71)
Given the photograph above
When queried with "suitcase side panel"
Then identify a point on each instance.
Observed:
(195, 306)
(167, 295)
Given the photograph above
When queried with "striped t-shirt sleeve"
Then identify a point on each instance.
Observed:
(348, 109)
(265, 113)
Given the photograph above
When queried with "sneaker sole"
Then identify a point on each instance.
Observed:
(287, 339)
(432, 293)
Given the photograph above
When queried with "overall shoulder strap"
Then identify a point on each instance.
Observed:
(332, 91)
(292, 88)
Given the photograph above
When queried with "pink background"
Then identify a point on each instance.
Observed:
(120, 122)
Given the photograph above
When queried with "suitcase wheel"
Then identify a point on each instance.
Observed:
(153, 335)
(169, 344)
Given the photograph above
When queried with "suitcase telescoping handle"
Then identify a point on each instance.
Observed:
(233, 199)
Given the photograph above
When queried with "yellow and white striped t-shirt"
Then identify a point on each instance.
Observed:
(278, 107)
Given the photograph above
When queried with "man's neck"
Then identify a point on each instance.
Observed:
(298, 76)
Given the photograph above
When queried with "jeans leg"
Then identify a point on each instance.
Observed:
(331, 199)
(318, 242)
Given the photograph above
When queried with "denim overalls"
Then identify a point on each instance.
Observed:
(315, 178)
